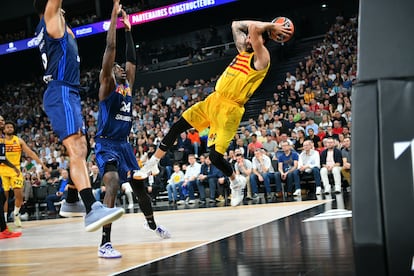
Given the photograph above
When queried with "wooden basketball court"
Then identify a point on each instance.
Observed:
(62, 246)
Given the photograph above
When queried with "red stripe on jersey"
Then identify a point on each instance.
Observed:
(241, 64)
(240, 69)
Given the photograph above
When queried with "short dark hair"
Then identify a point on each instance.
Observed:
(40, 6)
(10, 123)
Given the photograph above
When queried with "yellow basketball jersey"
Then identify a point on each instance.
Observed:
(13, 154)
(239, 81)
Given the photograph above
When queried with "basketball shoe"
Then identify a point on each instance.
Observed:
(7, 234)
(106, 251)
(101, 215)
(160, 231)
(75, 209)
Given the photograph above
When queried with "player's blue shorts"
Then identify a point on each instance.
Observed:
(62, 105)
(120, 152)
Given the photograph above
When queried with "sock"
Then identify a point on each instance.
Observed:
(5, 216)
(72, 196)
(106, 234)
(155, 159)
(16, 211)
(151, 222)
(129, 196)
(87, 198)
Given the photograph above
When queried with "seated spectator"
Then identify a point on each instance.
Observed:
(195, 141)
(208, 177)
(311, 125)
(346, 158)
(288, 168)
(309, 164)
(299, 141)
(253, 145)
(330, 134)
(244, 167)
(96, 182)
(48, 179)
(192, 171)
(314, 138)
(337, 127)
(331, 163)
(270, 145)
(60, 194)
(53, 167)
(184, 147)
(285, 138)
(326, 121)
(240, 146)
(174, 184)
(263, 171)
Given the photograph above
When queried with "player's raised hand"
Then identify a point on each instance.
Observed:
(125, 20)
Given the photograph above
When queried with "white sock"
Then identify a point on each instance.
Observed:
(129, 196)
(5, 216)
(153, 158)
(16, 210)
(126, 187)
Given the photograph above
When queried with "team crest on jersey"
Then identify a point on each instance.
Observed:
(123, 90)
(212, 137)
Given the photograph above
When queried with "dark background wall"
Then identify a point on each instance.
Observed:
(310, 19)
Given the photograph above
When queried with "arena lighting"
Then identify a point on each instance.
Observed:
(135, 18)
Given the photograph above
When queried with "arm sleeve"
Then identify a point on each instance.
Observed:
(130, 51)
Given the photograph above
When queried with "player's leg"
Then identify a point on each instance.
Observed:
(151, 166)
(144, 201)
(63, 108)
(111, 182)
(5, 233)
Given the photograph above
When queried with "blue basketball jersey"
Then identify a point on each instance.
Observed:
(60, 57)
(115, 114)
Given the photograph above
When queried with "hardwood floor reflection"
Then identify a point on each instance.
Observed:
(301, 236)
(288, 246)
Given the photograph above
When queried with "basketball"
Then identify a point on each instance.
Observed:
(286, 22)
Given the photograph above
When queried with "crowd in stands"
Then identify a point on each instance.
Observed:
(312, 104)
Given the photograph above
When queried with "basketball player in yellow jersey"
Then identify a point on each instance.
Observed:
(223, 110)
(11, 180)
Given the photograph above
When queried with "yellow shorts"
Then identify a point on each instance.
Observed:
(223, 116)
(12, 182)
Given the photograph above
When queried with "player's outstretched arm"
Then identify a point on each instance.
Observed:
(106, 79)
(54, 19)
(130, 66)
